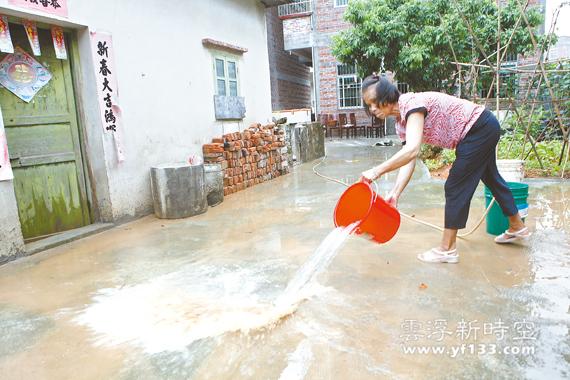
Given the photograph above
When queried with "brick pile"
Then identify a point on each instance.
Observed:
(256, 155)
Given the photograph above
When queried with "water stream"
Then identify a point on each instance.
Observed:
(318, 262)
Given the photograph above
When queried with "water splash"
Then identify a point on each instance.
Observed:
(170, 312)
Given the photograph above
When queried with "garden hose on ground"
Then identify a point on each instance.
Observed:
(408, 216)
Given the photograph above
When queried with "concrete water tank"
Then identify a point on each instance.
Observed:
(214, 177)
(178, 190)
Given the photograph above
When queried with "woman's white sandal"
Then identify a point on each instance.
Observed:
(509, 237)
(434, 255)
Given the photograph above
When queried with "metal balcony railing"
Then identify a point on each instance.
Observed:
(298, 7)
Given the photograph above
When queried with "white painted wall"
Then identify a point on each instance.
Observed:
(562, 25)
(562, 28)
(166, 84)
(11, 240)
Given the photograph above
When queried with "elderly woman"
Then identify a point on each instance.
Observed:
(449, 122)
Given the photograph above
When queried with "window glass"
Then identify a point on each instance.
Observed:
(220, 70)
(233, 88)
(346, 69)
(221, 87)
(232, 72)
(349, 86)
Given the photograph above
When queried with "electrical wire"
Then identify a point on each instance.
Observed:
(413, 218)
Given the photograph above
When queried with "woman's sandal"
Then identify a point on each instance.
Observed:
(434, 255)
(509, 237)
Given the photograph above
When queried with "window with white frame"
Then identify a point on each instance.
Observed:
(227, 76)
(349, 86)
(340, 3)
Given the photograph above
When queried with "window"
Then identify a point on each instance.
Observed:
(511, 58)
(340, 3)
(403, 87)
(227, 83)
(349, 87)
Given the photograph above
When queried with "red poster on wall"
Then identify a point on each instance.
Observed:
(58, 42)
(32, 33)
(54, 7)
(5, 38)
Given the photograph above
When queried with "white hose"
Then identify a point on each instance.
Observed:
(403, 214)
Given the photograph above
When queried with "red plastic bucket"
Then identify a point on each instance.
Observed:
(377, 218)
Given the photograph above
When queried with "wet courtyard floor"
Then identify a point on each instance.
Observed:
(158, 299)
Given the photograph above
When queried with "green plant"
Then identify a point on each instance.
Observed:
(448, 156)
(432, 164)
(435, 157)
(548, 150)
(560, 86)
(429, 151)
(516, 124)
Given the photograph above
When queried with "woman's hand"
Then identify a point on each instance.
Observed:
(392, 199)
(369, 175)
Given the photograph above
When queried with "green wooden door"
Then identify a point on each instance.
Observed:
(45, 153)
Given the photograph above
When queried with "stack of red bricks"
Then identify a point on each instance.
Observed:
(255, 155)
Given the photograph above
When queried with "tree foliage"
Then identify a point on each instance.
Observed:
(417, 39)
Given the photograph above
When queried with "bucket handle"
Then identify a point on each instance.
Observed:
(375, 190)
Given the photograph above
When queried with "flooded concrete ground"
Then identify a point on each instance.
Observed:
(156, 299)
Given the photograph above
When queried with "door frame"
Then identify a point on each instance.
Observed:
(75, 66)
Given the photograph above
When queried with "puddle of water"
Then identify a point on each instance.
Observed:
(549, 299)
(298, 362)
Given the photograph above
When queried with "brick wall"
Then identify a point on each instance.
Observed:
(329, 18)
(297, 25)
(290, 79)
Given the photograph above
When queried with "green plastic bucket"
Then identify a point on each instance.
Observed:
(497, 222)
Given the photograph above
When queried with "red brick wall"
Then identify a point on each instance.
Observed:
(328, 22)
(329, 18)
(285, 93)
